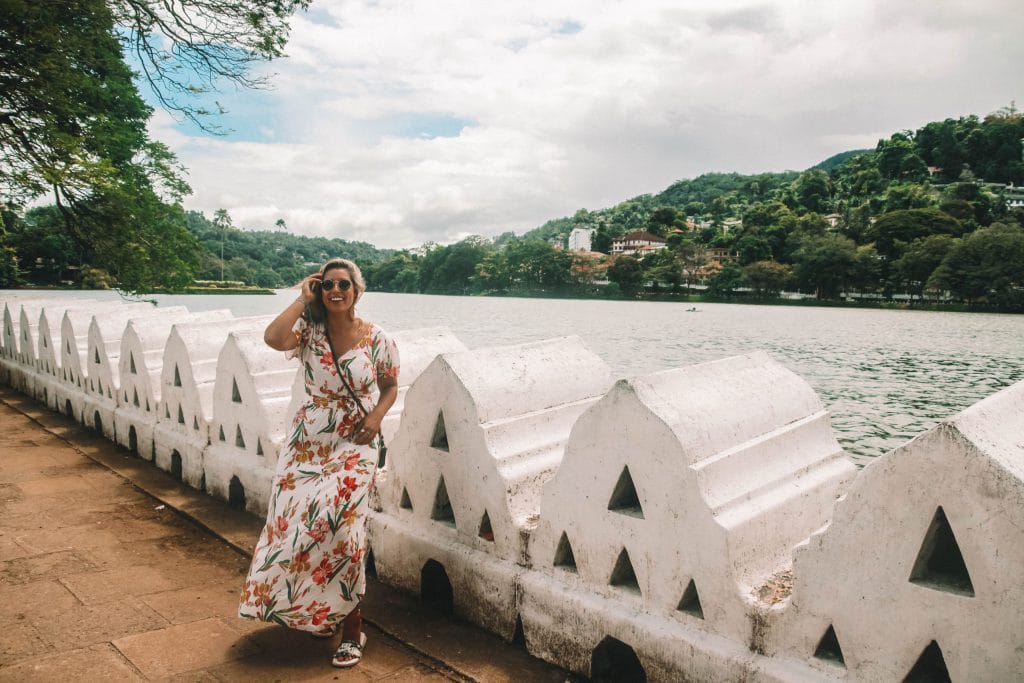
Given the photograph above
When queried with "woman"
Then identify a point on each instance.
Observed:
(307, 570)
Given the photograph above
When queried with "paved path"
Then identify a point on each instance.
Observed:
(112, 570)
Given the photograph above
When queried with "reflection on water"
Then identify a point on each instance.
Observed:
(885, 375)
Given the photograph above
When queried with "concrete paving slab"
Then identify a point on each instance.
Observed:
(54, 485)
(41, 567)
(21, 640)
(98, 663)
(85, 625)
(100, 561)
(113, 584)
(43, 598)
(195, 602)
(185, 647)
(47, 539)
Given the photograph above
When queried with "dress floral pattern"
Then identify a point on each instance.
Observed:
(307, 569)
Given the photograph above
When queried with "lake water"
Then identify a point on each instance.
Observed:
(885, 375)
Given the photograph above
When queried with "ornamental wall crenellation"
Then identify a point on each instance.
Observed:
(700, 523)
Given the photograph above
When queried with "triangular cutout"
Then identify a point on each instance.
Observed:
(486, 532)
(135, 397)
(406, 503)
(235, 396)
(623, 575)
(221, 434)
(690, 602)
(930, 667)
(147, 405)
(829, 648)
(940, 564)
(167, 412)
(442, 510)
(440, 438)
(259, 447)
(177, 376)
(624, 498)
(195, 423)
(100, 383)
(96, 354)
(131, 363)
(564, 556)
(67, 345)
(239, 441)
(519, 634)
(181, 416)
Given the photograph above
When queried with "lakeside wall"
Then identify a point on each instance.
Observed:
(700, 523)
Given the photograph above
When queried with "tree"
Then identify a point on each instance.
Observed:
(898, 159)
(628, 274)
(10, 274)
(893, 231)
(726, 281)
(72, 122)
(826, 264)
(222, 221)
(662, 220)
(985, 266)
(663, 266)
(766, 278)
(921, 258)
(813, 191)
(186, 49)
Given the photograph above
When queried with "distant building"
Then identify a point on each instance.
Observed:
(833, 220)
(720, 254)
(731, 224)
(580, 239)
(639, 242)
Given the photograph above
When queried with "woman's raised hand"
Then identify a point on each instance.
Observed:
(309, 289)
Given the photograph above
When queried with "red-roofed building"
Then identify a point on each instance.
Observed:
(638, 242)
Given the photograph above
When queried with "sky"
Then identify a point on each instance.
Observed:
(397, 122)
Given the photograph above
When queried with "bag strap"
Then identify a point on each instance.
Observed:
(344, 382)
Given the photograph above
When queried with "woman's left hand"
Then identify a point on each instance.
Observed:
(367, 430)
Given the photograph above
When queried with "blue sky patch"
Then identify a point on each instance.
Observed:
(421, 125)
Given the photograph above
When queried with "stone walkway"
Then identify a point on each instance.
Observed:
(112, 570)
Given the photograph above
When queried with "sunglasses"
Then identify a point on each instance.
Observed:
(342, 285)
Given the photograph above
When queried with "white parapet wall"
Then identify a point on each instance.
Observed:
(103, 353)
(27, 375)
(921, 568)
(251, 394)
(481, 432)
(680, 493)
(74, 344)
(48, 350)
(140, 366)
(697, 524)
(16, 345)
(182, 430)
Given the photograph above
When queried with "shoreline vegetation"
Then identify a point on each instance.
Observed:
(928, 219)
(653, 297)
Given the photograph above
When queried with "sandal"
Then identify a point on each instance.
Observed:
(349, 652)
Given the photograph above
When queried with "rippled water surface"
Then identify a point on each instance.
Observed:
(885, 375)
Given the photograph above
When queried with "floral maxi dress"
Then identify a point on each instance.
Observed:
(307, 569)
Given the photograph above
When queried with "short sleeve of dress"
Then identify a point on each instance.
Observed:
(386, 362)
(302, 331)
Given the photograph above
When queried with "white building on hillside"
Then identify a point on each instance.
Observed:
(580, 239)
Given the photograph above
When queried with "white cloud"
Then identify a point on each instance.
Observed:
(642, 94)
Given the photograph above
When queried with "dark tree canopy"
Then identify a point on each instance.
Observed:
(72, 122)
